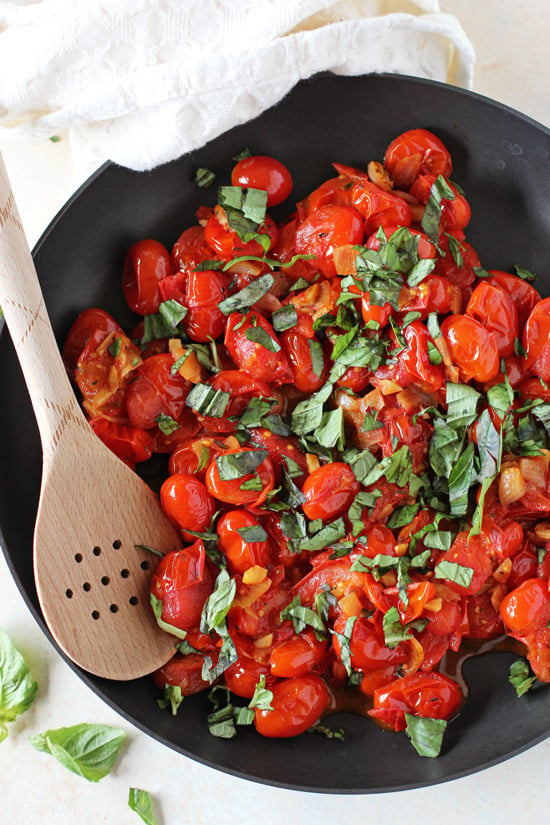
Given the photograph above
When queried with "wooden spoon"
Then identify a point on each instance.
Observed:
(96, 517)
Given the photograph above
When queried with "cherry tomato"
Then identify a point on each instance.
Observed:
(536, 341)
(455, 213)
(470, 552)
(184, 672)
(523, 294)
(187, 502)
(415, 152)
(326, 228)
(88, 322)
(241, 388)
(367, 646)
(104, 370)
(183, 582)
(333, 191)
(379, 208)
(473, 348)
(156, 392)
(191, 249)
(262, 172)
(307, 376)
(526, 608)
(484, 621)
(329, 491)
(253, 345)
(493, 307)
(226, 243)
(431, 695)
(131, 444)
(230, 490)
(297, 704)
(240, 551)
(146, 264)
(243, 675)
(204, 291)
(297, 655)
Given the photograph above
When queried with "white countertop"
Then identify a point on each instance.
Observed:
(513, 66)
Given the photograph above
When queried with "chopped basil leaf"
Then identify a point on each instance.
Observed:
(218, 603)
(327, 536)
(141, 803)
(501, 398)
(164, 323)
(89, 751)
(402, 516)
(247, 296)
(205, 400)
(329, 733)
(317, 357)
(166, 424)
(455, 248)
(307, 414)
(432, 213)
(345, 639)
(157, 607)
(171, 698)
(255, 411)
(290, 493)
(434, 356)
(302, 617)
(330, 432)
(17, 690)
(454, 572)
(226, 657)
(252, 533)
(258, 335)
(370, 422)
(462, 403)
(250, 202)
(237, 465)
(489, 446)
(420, 271)
(426, 734)
(204, 177)
(521, 676)
(461, 478)
(524, 273)
(245, 153)
(262, 697)
(284, 318)
(221, 721)
(114, 348)
(409, 317)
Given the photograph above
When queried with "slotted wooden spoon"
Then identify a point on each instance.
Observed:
(95, 516)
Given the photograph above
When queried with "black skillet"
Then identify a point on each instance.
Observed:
(502, 161)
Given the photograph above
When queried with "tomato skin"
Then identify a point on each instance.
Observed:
(204, 291)
(455, 214)
(241, 554)
(378, 207)
(263, 172)
(298, 655)
(329, 491)
(367, 646)
(472, 552)
(414, 359)
(536, 341)
(230, 492)
(147, 262)
(184, 672)
(493, 307)
(155, 391)
(414, 152)
(523, 294)
(260, 362)
(104, 375)
(243, 675)
(187, 502)
(297, 704)
(431, 695)
(298, 351)
(526, 609)
(183, 582)
(326, 228)
(190, 250)
(88, 322)
(227, 244)
(484, 621)
(473, 348)
(131, 444)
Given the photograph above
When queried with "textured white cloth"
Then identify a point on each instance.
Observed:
(142, 82)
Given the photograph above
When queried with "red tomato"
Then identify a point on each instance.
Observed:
(189, 456)
(471, 552)
(88, 322)
(280, 448)
(379, 540)
(191, 249)
(526, 608)
(414, 358)
(455, 214)
(227, 244)
(187, 502)
(378, 207)
(297, 705)
(524, 566)
(155, 391)
(329, 491)
(104, 370)
(243, 675)
(460, 274)
(253, 345)
(493, 307)
(367, 646)
(241, 388)
(298, 350)
(326, 228)
(183, 582)
(297, 655)
(536, 341)
(538, 653)
(231, 490)
(335, 190)
(146, 264)
(184, 672)
(240, 552)
(204, 291)
(262, 172)
(484, 621)
(434, 294)
(523, 294)
(415, 152)
(131, 444)
(431, 695)
(262, 616)
(473, 348)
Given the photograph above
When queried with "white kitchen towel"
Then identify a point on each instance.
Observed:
(142, 82)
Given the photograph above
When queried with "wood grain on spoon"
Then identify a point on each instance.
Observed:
(96, 517)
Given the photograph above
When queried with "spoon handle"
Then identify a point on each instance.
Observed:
(22, 303)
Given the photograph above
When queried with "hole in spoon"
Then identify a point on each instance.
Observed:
(96, 551)
(78, 558)
(133, 600)
(105, 580)
(145, 565)
(113, 608)
(69, 593)
(87, 587)
(95, 614)
(124, 573)
(117, 544)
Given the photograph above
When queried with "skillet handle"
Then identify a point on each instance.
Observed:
(22, 303)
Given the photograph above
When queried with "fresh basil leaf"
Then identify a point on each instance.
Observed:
(324, 600)
(172, 698)
(290, 493)
(17, 689)
(420, 271)
(218, 603)
(328, 733)
(345, 640)
(164, 323)
(237, 465)
(258, 335)
(226, 657)
(362, 462)
(114, 348)
(327, 536)
(262, 697)
(434, 356)
(317, 357)
(306, 415)
(521, 676)
(252, 533)
(445, 447)
(166, 424)
(489, 446)
(501, 398)
(454, 572)
(462, 403)
(157, 607)
(394, 632)
(284, 318)
(431, 218)
(402, 516)
(461, 478)
(426, 734)
(331, 432)
(455, 248)
(88, 750)
(221, 721)
(524, 273)
(204, 177)
(439, 539)
(246, 297)
(141, 803)
(303, 617)
(397, 468)
(255, 411)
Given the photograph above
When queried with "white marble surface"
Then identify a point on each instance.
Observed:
(513, 66)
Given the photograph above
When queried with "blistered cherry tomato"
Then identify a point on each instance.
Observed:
(88, 322)
(191, 249)
(146, 264)
(184, 672)
(204, 291)
(473, 348)
(248, 488)
(262, 172)
(326, 228)
(226, 243)
(183, 582)
(470, 552)
(414, 152)
(329, 491)
(253, 345)
(307, 375)
(526, 608)
(131, 444)
(536, 340)
(187, 502)
(235, 530)
(455, 212)
(431, 695)
(523, 294)
(379, 208)
(156, 392)
(493, 307)
(297, 704)
(243, 675)
(367, 645)
(297, 655)
(104, 371)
